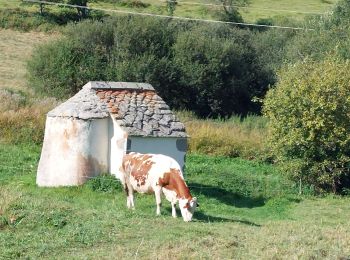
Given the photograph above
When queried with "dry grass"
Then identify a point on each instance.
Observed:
(15, 48)
(224, 138)
(233, 137)
(22, 118)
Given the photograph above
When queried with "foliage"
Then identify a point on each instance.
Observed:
(134, 4)
(24, 20)
(170, 6)
(331, 34)
(309, 113)
(230, 11)
(60, 68)
(220, 74)
(220, 71)
(104, 183)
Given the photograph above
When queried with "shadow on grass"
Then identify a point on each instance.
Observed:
(227, 197)
(201, 217)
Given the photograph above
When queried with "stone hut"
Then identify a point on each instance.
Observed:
(88, 134)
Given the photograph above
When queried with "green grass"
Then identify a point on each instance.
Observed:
(258, 9)
(248, 210)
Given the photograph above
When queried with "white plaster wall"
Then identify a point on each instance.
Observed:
(117, 148)
(73, 151)
(158, 145)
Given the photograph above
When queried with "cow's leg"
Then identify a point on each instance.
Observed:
(157, 193)
(130, 196)
(171, 197)
(173, 209)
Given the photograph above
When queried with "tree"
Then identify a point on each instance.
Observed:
(230, 10)
(82, 11)
(171, 4)
(213, 70)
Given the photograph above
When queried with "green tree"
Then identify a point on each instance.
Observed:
(221, 70)
(170, 5)
(330, 34)
(213, 70)
(83, 11)
(309, 113)
(230, 11)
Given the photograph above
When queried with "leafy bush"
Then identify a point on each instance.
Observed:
(213, 70)
(25, 20)
(60, 68)
(220, 70)
(309, 112)
(134, 4)
(331, 34)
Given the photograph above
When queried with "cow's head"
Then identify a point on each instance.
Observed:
(188, 207)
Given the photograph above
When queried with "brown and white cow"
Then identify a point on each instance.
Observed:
(157, 173)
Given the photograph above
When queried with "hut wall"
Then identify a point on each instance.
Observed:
(73, 151)
(117, 147)
(173, 147)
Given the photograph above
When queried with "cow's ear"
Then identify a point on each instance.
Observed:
(187, 205)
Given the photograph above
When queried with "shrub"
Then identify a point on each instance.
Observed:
(309, 113)
(331, 34)
(134, 4)
(60, 68)
(213, 70)
(220, 70)
(23, 20)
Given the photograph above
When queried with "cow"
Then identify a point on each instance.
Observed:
(157, 173)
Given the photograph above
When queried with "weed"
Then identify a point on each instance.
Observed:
(104, 183)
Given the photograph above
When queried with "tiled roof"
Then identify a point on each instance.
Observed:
(84, 105)
(135, 106)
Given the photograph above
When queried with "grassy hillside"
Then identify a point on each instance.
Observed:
(247, 211)
(15, 49)
(256, 10)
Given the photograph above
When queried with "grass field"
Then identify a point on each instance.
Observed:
(15, 49)
(247, 211)
(257, 9)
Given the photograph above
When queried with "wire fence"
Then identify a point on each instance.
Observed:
(169, 16)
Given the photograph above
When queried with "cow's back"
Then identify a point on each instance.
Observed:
(143, 171)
